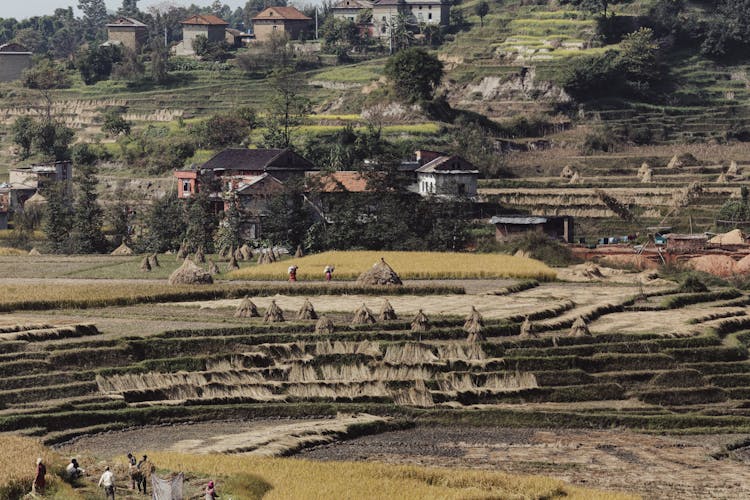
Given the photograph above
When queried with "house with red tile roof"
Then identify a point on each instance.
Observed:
(281, 20)
(208, 25)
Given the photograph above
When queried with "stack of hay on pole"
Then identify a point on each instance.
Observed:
(363, 316)
(200, 257)
(247, 252)
(190, 274)
(182, 252)
(579, 328)
(386, 312)
(273, 314)
(153, 260)
(324, 325)
(34, 251)
(307, 311)
(527, 329)
(213, 269)
(264, 258)
(145, 264)
(232, 266)
(123, 249)
(474, 326)
(420, 323)
(299, 253)
(379, 274)
(246, 309)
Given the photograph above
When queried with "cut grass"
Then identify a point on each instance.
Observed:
(408, 265)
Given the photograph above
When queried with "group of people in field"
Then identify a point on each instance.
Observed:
(327, 273)
(138, 471)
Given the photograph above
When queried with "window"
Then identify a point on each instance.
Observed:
(274, 27)
(420, 7)
(185, 186)
(429, 16)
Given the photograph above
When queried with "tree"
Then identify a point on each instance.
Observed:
(23, 134)
(94, 18)
(45, 77)
(95, 64)
(115, 124)
(286, 111)
(159, 60)
(482, 9)
(88, 217)
(219, 131)
(53, 139)
(289, 217)
(129, 8)
(228, 235)
(58, 217)
(31, 39)
(638, 57)
(164, 224)
(200, 222)
(414, 74)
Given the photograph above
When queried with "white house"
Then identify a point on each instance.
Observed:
(445, 175)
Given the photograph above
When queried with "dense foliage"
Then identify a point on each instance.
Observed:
(415, 74)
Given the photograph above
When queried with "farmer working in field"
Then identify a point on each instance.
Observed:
(132, 470)
(73, 470)
(211, 491)
(328, 271)
(40, 480)
(144, 472)
(292, 273)
(108, 482)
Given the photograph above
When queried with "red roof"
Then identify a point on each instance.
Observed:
(344, 181)
(205, 19)
(287, 13)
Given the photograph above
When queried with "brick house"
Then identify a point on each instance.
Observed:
(350, 10)
(25, 182)
(128, 32)
(281, 19)
(14, 60)
(208, 25)
(445, 175)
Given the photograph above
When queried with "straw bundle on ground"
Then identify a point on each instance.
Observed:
(232, 266)
(386, 312)
(576, 178)
(647, 176)
(363, 316)
(122, 250)
(225, 251)
(246, 251)
(324, 325)
(579, 328)
(379, 274)
(273, 314)
(645, 167)
(190, 274)
(528, 329)
(145, 265)
(246, 309)
(474, 325)
(674, 162)
(567, 172)
(722, 179)
(238, 256)
(200, 257)
(182, 252)
(34, 251)
(420, 323)
(264, 258)
(153, 260)
(213, 269)
(275, 254)
(307, 311)
(299, 253)
(733, 169)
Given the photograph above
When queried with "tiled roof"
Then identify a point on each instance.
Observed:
(287, 13)
(343, 181)
(13, 48)
(205, 19)
(447, 164)
(521, 220)
(126, 21)
(257, 159)
(353, 4)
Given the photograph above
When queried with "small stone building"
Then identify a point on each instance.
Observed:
(385, 13)
(685, 243)
(280, 19)
(558, 227)
(128, 32)
(14, 60)
(349, 10)
(208, 25)
(445, 175)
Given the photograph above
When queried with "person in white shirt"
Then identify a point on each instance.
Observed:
(108, 482)
(73, 470)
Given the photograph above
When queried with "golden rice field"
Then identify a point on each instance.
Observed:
(18, 462)
(408, 265)
(293, 478)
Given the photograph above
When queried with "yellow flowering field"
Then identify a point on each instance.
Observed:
(408, 265)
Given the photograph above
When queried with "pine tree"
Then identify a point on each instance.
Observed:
(228, 234)
(200, 222)
(94, 17)
(87, 236)
(58, 217)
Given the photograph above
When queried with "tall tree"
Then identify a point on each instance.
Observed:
(129, 8)
(58, 217)
(45, 77)
(200, 222)
(164, 224)
(482, 9)
(94, 18)
(414, 73)
(88, 218)
(287, 109)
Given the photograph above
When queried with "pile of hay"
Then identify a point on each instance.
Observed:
(734, 169)
(122, 250)
(363, 316)
(299, 253)
(233, 265)
(200, 257)
(420, 323)
(645, 167)
(722, 179)
(576, 179)
(246, 309)
(675, 162)
(733, 237)
(386, 312)
(145, 265)
(247, 252)
(474, 325)
(307, 311)
(190, 274)
(273, 314)
(647, 176)
(34, 251)
(567, 172)
(743, 265)
(324, 325)
(182, 252)
(238, 255)
(379, 274)
(213, 269)
(593, 271)
(265, 257)
(579, 328)
(153, 261)
(527, 329)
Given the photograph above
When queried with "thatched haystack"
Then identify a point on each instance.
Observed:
(386, 312)
(275, 254)
(246, 309)
(264, 257)
(307, 311)
(324, 325)
(182, 252)
(420, 323)
(213, 269)
(123, 250)
(363, 316)
(299, 253)
(34, 251)
(379, 274)
(567, 172)
(647, 176)
(579, 328)
(474, 325)
(145, 265)
(734, 169)
(645, 167)
(722, 179)
(675, 163)
(576, 179)
(273, 314)
(200, 257)
(225, 251)
(238, 255)
(190, 274)
(246, 252)
(232, 266)
(527, 329)
(153, 260)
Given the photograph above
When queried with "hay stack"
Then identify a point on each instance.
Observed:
(275, 254)
(273, 314)
(154, 260)
(122, 250)
(307, 311)
(213, 269)
(224, 252)
(190, 274)
(579, 328)
(420, 323)
(200, 257)
(299, 253)
(647, 176)
(527, 329)
(247, 252)
(576, 179)
(232, 266)
(379, 274)
(675, 162)
(145, 265)
(238, 255)
(264, 258)
(386, 312)
(733, 169)
(182, 252)
(324, 325)
(567, 172)
(246, 309)
(363, 316)
(592, 271)
(645, 167)
(34, 251)
(474, 325)
(722, 179)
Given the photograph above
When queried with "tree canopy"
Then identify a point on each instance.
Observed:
(414, 73)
